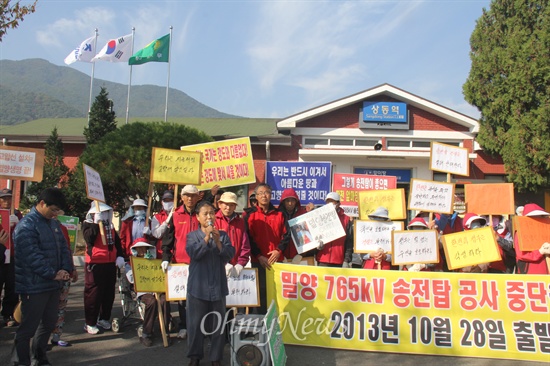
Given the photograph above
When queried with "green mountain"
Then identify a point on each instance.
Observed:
(36, 88)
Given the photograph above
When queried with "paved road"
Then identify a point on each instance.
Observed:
(123, 348)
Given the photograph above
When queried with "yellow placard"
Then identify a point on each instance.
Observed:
(148, 275)
(531, 232)
(471, 247)
(175, 166)
(490, 198)
(427, 313)
(225, 163)
(392, 199)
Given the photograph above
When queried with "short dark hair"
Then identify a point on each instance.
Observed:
(265, 185)
(201, 204)
(53, 196)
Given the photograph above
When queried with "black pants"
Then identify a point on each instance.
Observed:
(207, 316)
(38, 318)
(99, 291)
(7, 282)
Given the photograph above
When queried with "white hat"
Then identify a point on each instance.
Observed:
(228, 197)
(333, 196)
(139, 202)
(471, 217)
(190, 189)
(102, 208)
(381, 212)
(141, 243)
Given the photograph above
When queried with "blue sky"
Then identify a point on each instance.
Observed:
(269, 58)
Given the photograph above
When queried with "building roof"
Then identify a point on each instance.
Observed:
(388, 90)
(70, 130)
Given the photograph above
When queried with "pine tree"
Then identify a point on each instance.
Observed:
(102, 118)
(55, 170)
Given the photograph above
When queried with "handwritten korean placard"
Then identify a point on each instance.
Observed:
(471, 247)
(175, 166)
(431, 196)
(148, 275)
(94, 187)
(392, 199)
(371, 235)
(414, 246)
(449, 159)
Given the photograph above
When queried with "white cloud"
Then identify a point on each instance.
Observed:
(82, 25)
(321, 47)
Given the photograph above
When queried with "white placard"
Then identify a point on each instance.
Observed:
(176, 281)
(414, 246)
(372, 235)
(322, 223)
(430, 196)
(449, 159)
(94, 187)
(243, 290)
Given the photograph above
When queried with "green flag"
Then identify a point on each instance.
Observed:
(156, 51)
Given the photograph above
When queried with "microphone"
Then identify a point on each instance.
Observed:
(210, 223)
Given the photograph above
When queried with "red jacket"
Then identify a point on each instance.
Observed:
(175, 238)
(291, 251)
(266, 231)
(236, 230)
(161, 217)
(341, 249)
(96, 251)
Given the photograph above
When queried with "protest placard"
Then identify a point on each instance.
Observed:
(430, 196)
(176, 282)
(531, 232)
(490, 198)
(348, 187)
(310, 180)
(225, 163)
(449, 159)
(244, 290)
(94, 187)
(322, 223)
(392, 199)
(470, 247)
(275, 340)
(5, 224)
(175, 166)
(148, 275)
(369, 236)
(21, 163)
(71, 223)
(414, 246)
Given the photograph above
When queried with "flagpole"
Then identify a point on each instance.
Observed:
(168, 78)
(92, 81)
(130, 80)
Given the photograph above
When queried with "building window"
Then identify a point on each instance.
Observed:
(341, 142)
(421, 144)
(314, 142)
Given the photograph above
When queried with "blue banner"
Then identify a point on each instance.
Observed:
(385, 112)
(310, 180)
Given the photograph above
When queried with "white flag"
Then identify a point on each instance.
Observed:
(116, 50)
(85, 52)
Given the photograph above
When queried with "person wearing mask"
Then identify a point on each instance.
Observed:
(268, 238)
(337, 253)
(183, 221)
(159, 222)
(42, 261)
(533, 262)
(103, 255)
(379, 259)
(7, 266)
(133, 227)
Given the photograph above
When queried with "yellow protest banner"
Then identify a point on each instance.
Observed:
(225, 163)
(490, 198)
(148, 275)
(432, 313)
(175, 166)
(531, 232)
(470, 247)
(392, 199)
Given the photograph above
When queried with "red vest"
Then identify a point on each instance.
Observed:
(101, 252)
(333, 252)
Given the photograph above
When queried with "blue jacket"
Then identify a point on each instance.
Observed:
(40, 252)
(207, 279)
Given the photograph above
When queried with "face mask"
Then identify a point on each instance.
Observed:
(168, 206)
(148, 255)
(475, 225)
(140, 213)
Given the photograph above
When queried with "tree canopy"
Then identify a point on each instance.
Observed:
(102, 118)
(509, 82)
(123, 159)
(11, 13)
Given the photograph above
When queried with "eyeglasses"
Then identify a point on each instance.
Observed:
(55, 210)
(266, 193)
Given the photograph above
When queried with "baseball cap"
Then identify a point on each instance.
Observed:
(190, 189)
(228, 197)
(333, 196)
(5, 193)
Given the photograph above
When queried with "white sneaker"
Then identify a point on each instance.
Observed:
(104, 324)
(91, 329)
(182, 334)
